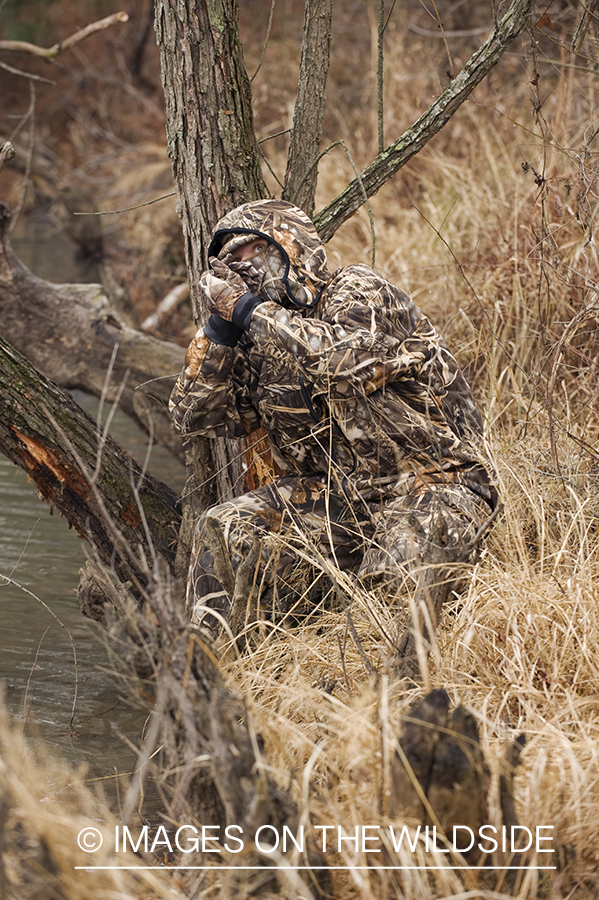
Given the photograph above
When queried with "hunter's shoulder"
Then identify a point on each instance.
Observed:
(360, 290)
(364, 282)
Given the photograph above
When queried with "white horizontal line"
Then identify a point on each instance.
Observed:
(217, 868)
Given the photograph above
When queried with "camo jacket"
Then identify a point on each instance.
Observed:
(361, 387)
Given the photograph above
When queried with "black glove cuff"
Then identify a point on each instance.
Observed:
(222, 332)
(245, 306)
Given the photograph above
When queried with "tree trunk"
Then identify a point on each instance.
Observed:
(216, 165)
(302, 170)
(210, 132)
(72, 334)
(128, 516)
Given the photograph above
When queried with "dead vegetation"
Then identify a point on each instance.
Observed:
(491, 228)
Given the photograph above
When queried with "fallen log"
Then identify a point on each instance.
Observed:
(130, 518)
(71, 333)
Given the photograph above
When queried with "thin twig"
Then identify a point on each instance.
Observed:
(358, 643)
(136, 487)
(440, 23)
(104, 435)
(121, 545)
(272, 9)
(25, 590)
(342, 655)
(145, 754)
(390, 14)
(24, 550)
(270, 169)
(471, 545)
(566, 65)
(37, 653)
(380, 76)
(484, 310)
(114, 212)
(466, 32)
(29, 75)
(359, 179)
(276, 134)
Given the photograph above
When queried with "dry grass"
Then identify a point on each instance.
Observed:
(44, 805)
(492, 230)
(519, 647)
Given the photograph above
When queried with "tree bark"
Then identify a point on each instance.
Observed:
(216, 165)
(209, 123)
(302, 171)
(72, 334)
(388, 163)
(128, 516)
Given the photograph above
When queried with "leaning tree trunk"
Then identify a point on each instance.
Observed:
(127, 515)
(390, 161)
(73, 335)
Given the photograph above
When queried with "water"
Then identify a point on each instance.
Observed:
(40, 620)
(40, 557)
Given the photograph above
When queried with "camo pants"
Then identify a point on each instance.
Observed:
(278, 545)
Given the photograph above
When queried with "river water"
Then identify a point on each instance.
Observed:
(39, 562)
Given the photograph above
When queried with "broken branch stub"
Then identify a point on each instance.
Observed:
(439, 774)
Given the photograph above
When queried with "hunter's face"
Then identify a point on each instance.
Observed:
(249, 250)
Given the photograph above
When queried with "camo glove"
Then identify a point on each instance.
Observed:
(223, 288)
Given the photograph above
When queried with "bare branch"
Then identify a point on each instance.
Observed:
(309, 104)
(386, 164)
(52, 52)
(464, 32)
(22, 74)
(583, 26)
(380, 76)
(25, 183)
(115, 212)
(165, 308)
(266, 39)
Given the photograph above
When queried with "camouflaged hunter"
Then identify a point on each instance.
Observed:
(365, 408)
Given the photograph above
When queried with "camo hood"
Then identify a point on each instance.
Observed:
(293, 266)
